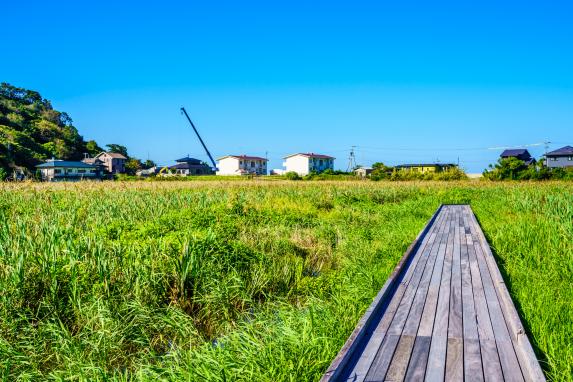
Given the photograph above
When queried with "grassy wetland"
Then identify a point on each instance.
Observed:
(246, 280)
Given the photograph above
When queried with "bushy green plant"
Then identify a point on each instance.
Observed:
(292, 175)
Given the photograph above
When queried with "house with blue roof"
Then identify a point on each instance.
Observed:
(55, 170)
(560, 158)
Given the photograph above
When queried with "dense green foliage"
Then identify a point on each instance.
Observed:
(32, 131)
(516, 169)
(245, 280)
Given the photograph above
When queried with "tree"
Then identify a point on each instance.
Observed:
(380, 171)
(132, 165)
(506, 168)
(118, 149)
(148, 164)
(92, 148)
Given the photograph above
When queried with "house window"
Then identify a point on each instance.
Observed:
(553, 159)
(252, 163)
(81, 171)
(570, 158)
(241, 162)
(321, 162)
(57, 171)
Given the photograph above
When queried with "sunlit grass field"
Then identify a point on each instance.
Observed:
(246, 280)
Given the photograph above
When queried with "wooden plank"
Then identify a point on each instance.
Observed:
(436, 368)
(472, 355)
(490, 361)
(473, 370)
(417, 366)
(338, 365)
(397, 370)
(455, 359)
(383, 358)
(528, 362)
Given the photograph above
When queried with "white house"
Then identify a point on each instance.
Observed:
(241, 165)
(305, 163)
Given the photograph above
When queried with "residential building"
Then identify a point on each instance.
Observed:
(190, 166)
(363, 172)
(114, 163)
(55, 170)
(562, 158)
(241, 165)
(305, 163)
(424, 168)
(521, 154)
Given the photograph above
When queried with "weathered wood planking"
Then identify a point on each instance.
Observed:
(444, 314)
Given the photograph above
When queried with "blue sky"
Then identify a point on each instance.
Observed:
(404, 81)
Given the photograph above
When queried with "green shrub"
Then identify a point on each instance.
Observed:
(292, 175)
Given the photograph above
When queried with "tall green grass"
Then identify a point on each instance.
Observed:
(245, 280)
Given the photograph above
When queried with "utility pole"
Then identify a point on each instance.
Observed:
(546, 143)
(351, 160)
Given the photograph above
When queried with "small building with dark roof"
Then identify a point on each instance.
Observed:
(521, 154)
(190, 166)
(560, 158)
(424, 168)
(55, 170)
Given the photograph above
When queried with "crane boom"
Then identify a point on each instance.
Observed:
(200, 139)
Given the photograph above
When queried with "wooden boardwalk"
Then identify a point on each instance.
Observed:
(444, 314)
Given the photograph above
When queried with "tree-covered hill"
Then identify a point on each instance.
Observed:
(32, 131)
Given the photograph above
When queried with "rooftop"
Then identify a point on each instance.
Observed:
(514, 153)
(63, 163)
(187, 159)
(427, 165)
(188, 165)
(113, 155)
(565, 151)
(311, 155)
(243, 157)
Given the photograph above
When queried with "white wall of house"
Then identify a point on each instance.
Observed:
(241, 166)
(298, 164)
(303, 165)
(228, 166)
(51, 173)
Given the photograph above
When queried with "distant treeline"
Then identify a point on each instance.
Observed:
(516, 169)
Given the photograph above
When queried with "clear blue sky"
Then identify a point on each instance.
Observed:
(405, 81)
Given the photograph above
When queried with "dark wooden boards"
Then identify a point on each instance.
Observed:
(443, 315)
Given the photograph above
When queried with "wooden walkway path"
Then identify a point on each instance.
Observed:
(444, 314)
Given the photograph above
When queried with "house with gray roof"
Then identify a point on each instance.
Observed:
(55, 170)
(114, 162)
(190, 166)
(560, 158)
(521, 154)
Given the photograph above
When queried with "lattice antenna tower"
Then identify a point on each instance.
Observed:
(351, 160)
